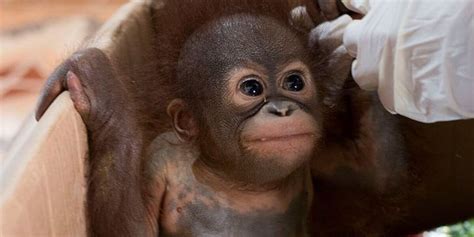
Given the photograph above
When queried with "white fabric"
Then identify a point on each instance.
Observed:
(418, 55)
(359, 6)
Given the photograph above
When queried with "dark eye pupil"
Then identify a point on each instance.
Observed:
(251, 87)
(293, 83)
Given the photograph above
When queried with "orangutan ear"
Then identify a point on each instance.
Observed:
(184, 123)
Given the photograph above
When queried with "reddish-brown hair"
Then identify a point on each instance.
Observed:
(175, 21)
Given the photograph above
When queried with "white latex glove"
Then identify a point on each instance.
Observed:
(418, 55)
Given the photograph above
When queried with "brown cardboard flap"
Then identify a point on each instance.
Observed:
(42, 179)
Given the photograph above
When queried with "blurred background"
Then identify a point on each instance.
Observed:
(36, 35)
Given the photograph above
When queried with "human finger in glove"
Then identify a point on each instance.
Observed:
(417, 54)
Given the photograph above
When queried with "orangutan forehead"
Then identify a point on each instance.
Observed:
(243, 37)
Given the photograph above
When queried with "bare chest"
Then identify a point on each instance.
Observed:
(192, 209)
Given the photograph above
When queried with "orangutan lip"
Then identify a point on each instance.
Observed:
(282, 138)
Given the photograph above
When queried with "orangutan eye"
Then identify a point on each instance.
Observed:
(251, 87)
(293, 82)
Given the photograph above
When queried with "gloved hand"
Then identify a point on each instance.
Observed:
(418, 55)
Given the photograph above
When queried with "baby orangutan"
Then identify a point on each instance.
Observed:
(236, 81)
(244, 131)
(215, 137)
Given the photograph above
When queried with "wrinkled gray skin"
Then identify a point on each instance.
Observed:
(190, 204)
(212, 186)
(191, 207)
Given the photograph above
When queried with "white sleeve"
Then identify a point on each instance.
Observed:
(418, 55)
